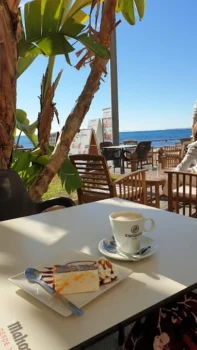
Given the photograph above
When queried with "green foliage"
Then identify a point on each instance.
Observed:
(46, 29)
(48, 25)
(22, 161)
(91, 44)
(128, 8)
(28, 176)
(22, 123)
(23, 63)
(141, 6)
(28, 164)
(69, 176)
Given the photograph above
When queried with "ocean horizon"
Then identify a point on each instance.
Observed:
(156, 136)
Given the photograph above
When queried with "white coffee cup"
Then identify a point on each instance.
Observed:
(127, 227)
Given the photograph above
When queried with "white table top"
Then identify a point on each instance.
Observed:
(121, 146)
(33, 240)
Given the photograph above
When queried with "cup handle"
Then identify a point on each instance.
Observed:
(152, 225)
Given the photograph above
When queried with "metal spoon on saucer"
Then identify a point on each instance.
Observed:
(35, 276)
(111, 247)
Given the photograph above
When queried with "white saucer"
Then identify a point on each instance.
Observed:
(145, 242)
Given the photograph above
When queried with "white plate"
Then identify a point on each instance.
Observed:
(145, 242)
(80, 299)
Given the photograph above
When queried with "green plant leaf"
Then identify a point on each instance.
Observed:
(127, 9)
(118, 3)
(50, 38)
(77, 5)
(65, 8)
(93, 45)
(47, 78)
(80, 16)
(141, 6)
(32, 16)
(22, 162)
(26, 48)
(68, 59)
(41, 160)
(71, 28)
(54, 45)
(15, 155)
(51, 18)
(56, 82)
(23, 63)
(69, 176)
(36, 152)
(22, 123)
(43, 5)
(30, 174)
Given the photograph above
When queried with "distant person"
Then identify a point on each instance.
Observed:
(194, 117)
(189, 162)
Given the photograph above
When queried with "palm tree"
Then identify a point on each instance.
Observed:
(97, 55)
(10, 32)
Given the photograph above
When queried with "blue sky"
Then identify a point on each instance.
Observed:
(157, 72)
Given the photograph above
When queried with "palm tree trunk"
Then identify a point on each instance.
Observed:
(45, 117)
(9, 35)
(75, 119)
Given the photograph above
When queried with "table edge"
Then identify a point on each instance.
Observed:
(113, 329)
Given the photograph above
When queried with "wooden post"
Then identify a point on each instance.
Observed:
(114, 90)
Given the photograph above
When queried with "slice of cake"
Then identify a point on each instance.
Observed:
(76, 277)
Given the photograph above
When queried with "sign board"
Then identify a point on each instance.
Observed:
(84, 143)
(107, 125)
(107, 113)
(107, 130)
(53, 139)
(96, 125)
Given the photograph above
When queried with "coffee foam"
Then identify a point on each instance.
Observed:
(126, 216)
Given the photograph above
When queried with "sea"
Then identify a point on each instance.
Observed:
(158, 137)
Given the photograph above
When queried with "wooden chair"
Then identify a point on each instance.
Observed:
(174, 149)
(169, 156)
(150, 158)
(97, 183)
(15, 201)
(140, 156)
(111, 154)
(128, 142)
(169, 162)
(133, 166)
(182, 193)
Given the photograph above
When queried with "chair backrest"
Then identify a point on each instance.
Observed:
(151, 157)
(142, 150)
(182, 193)
(95, 176)
(132, 187)
(14, 198)
(128, 142)
(172, 150)
(105, 144)
(109, 154)
(169, 162)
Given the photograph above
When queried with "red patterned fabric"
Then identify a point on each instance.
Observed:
(173, 327)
